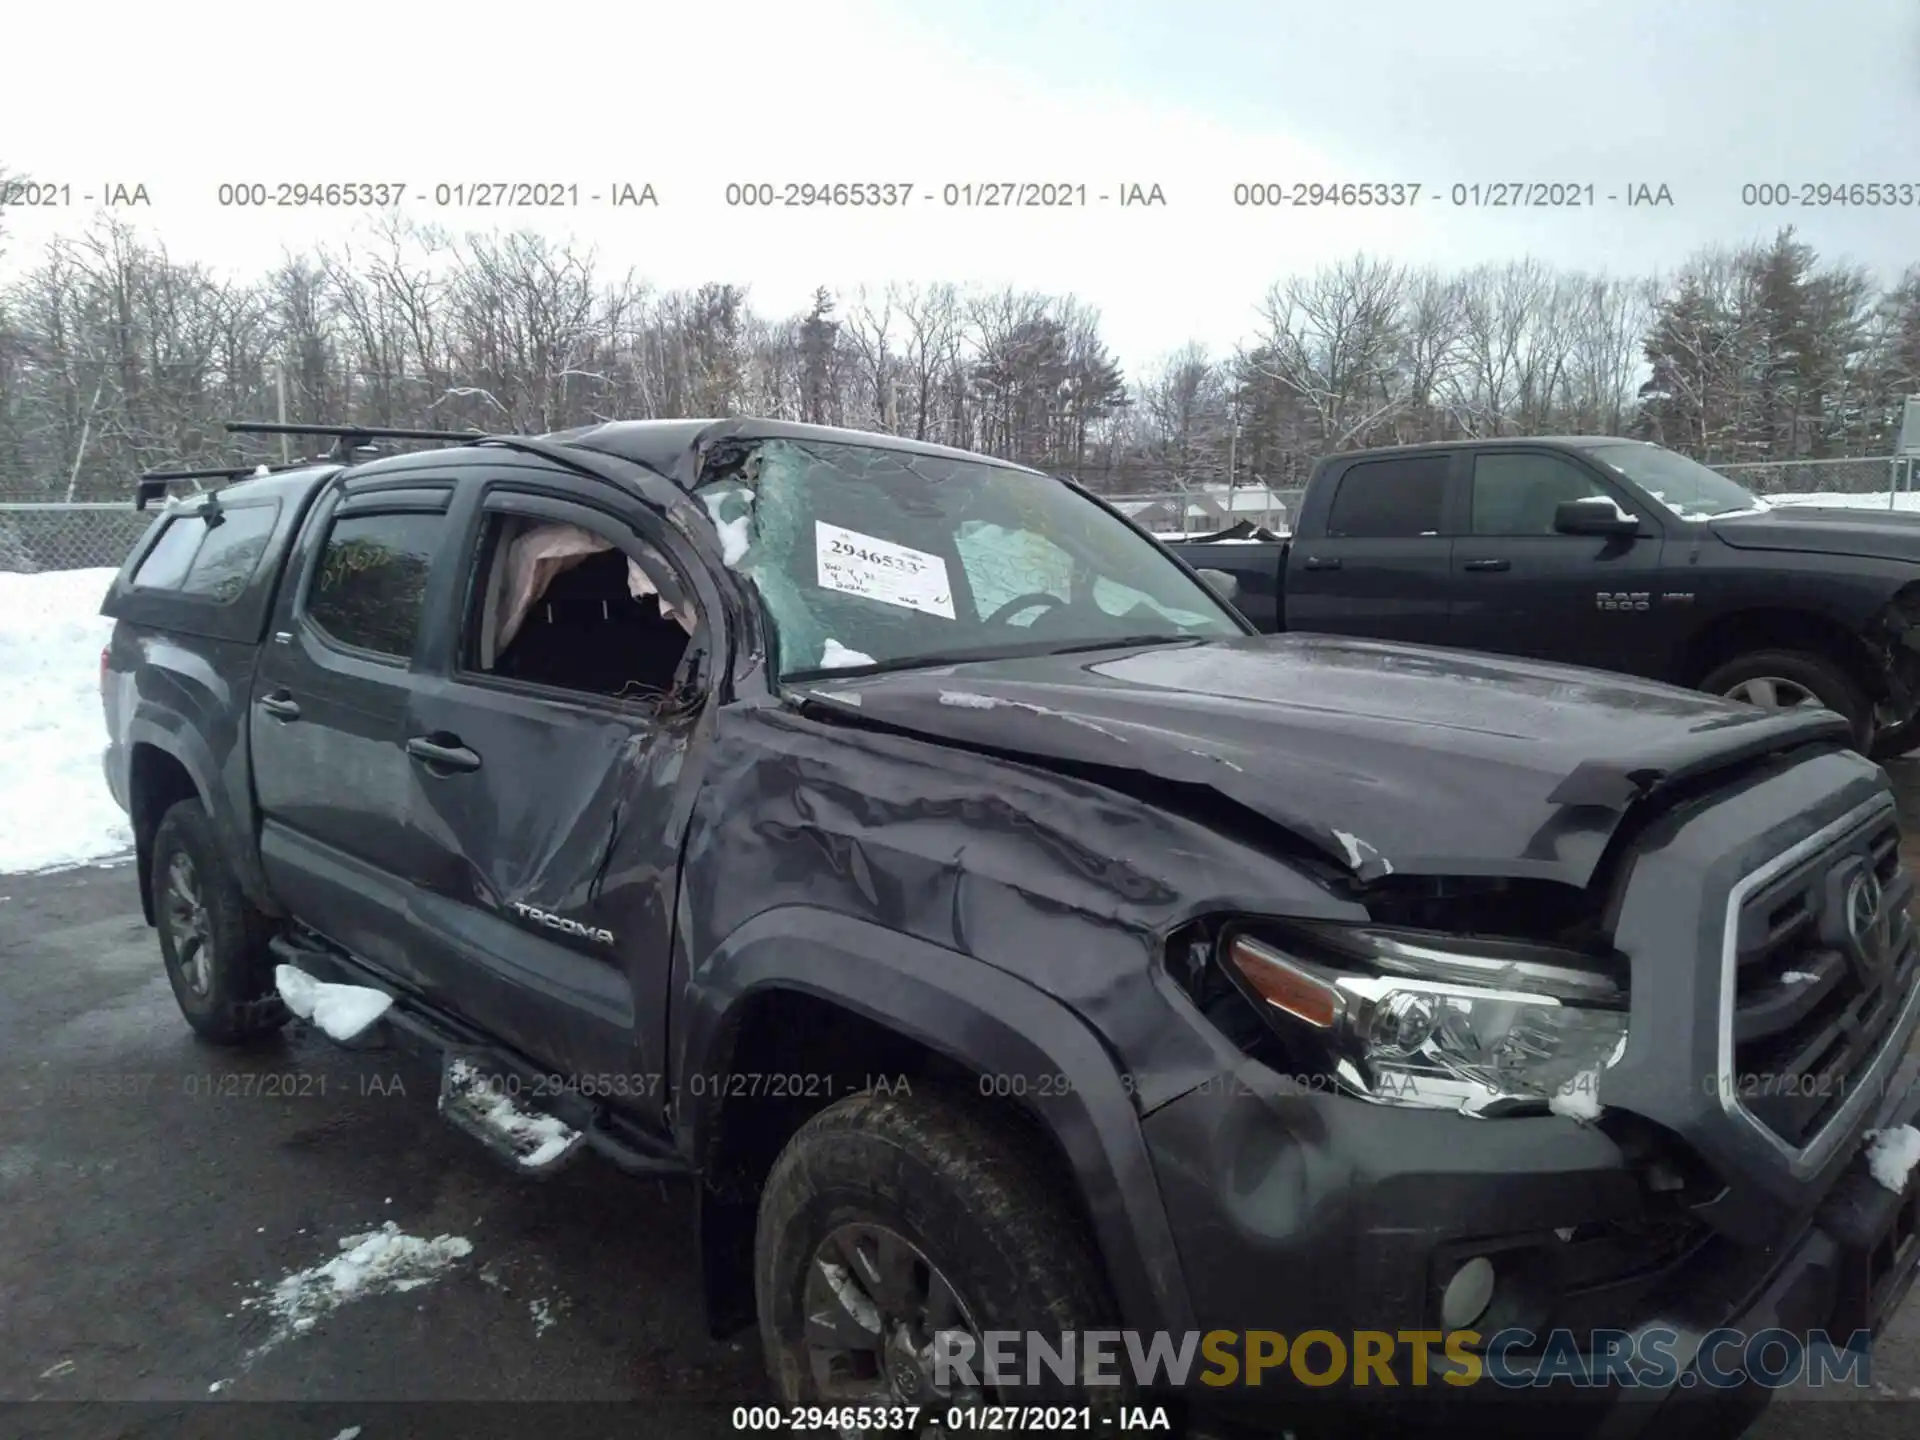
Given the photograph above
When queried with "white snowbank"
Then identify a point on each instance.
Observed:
(1891, 1156)
(373, 1263)
(1873, 500)
(343, 1011)
(549, 1135)
(55, 808)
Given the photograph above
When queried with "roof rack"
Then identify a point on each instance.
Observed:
(153, 484)
(348, 438)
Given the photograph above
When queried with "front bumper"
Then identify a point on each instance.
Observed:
(1295, 1214)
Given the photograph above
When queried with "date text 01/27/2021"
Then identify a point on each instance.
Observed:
(957, 1419)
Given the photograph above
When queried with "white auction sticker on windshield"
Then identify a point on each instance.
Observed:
(857, 564)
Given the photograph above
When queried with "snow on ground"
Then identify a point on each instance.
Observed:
(374, 1263)
(55, 808)
(1904, 500)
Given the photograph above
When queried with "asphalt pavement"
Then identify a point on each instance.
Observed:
(154, 1190)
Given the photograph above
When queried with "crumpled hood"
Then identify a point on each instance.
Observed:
(1825, 530)
(1381, 757)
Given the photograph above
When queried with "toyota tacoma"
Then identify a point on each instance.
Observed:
(997, 933)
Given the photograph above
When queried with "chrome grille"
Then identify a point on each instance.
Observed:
(1824, 957)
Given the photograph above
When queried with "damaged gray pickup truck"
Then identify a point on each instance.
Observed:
(1001, 936)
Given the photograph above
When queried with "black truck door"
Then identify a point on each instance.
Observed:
(1521, 588)
(329, 703)
(1377, 561)
(549, 809)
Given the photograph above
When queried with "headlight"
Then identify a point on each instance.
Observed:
(1438, 1021)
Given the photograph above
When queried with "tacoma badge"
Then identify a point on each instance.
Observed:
(561, 923)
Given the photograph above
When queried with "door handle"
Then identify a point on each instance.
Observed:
(1487, 565)
(1320, 562)
(281, 705)
(442, 752)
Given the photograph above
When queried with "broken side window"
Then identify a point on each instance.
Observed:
(561, 606)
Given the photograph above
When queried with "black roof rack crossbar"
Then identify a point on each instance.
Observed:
(153, 484)
(346, 438)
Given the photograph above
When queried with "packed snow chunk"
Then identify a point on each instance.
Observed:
(967, 700)
(1358, 851)
(835, 656)
(736, 535)
(1579, 1098)
(55, 808)
(1798, 977)
(547, 1135)
(343, 1011)
(375, 1262)
(1891, 1156)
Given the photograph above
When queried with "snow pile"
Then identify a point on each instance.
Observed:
(343, 1011)
(548, 1136)
(1891, 1156)
(55, 808)
(374, 1263)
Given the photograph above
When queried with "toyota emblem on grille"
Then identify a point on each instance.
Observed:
(1863, 916)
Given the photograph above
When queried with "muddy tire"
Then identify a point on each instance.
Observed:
(890, 1219)
(1790, 678)
(212, 940)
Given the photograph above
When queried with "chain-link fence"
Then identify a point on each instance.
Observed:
(1881, 475)
(1202, 511)
(50, 535)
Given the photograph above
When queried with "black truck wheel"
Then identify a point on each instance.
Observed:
(213, 940)
(895, 1229)
(1785, 679)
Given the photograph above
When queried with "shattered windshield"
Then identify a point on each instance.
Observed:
(1685, 487)
(871, 556)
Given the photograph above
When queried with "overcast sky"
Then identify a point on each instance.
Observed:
(1703, 97)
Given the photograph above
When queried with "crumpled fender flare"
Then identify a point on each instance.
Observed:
(978, 1016)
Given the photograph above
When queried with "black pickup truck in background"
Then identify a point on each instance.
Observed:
(1610, 553)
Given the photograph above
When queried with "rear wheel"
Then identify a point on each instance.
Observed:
(1793, 680)
(212, 939)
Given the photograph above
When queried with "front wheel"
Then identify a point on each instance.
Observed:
(896, 1231)
(1792, 680)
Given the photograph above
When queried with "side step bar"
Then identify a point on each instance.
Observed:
(481, 1083)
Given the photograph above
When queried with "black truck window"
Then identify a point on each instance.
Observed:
(1517, 494)
(231, 551)
(370, 581)
(1390, 499)
(165, 565)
